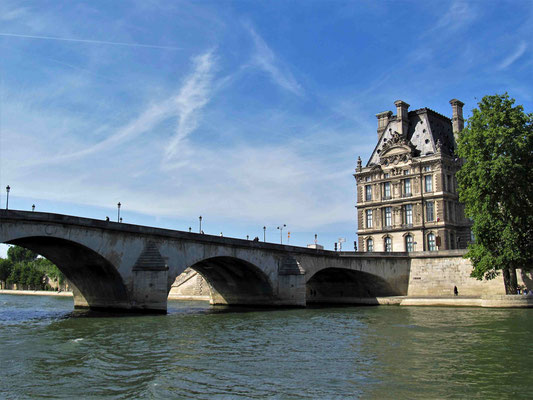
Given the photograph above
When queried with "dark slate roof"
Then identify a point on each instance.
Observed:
(150, 259)
(426, 128)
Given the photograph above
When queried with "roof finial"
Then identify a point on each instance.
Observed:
(359, 164)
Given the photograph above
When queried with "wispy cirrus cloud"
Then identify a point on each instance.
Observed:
(265, 59)
(458, 15)
(90, 41)
(514, 56)
(192, 97)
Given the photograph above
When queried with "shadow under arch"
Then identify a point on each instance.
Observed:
(98, 285)
(346, 286)
(233, 281)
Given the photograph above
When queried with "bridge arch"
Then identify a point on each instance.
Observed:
(98, 285)
(343, 285)
(234, 281)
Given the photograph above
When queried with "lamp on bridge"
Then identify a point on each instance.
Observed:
(7, 198)
(200, 218)
(281, 232)
(264, 233)
(118, 212)
(33, 207)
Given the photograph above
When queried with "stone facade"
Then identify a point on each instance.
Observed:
(407, 196)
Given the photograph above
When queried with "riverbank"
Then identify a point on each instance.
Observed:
(492, 301)
(489, 301)
(36, 293)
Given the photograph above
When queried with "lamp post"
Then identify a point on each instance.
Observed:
(7, 198)
(264, 233)
(190, 229)
(281, 233)
(200, 218)
(33, 207)
(118, 212)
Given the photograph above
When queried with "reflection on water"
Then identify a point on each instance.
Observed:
(200, 352)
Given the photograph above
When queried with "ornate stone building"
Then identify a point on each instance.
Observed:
(407, 193)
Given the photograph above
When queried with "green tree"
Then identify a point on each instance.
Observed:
(6, 267)
(495, 186)
(18, 254)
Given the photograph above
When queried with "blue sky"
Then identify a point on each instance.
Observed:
(249, 113)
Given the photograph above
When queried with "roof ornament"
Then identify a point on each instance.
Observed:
(438, 145)
(359, 164)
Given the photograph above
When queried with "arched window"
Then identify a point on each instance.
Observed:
(388, 244)
(431, 242)
(409, 243)
(370, 245)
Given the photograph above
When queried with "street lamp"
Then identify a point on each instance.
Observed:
(7, 198)
(264, 233)
(190, 229)
(200, 218)
(33, 207)
(118, 212)
(281, 233)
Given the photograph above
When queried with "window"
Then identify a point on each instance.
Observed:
(368, 178)
(406, 172)
(369, 245)
(388, 216)
(386, 190)
(368, 192)
(388, 244)
(431, 242)
(408, 214)
(407, 187)
(427, 168)
(430, 211)
(369, 218)
(409, 243)
(428, 183)
(387, 175)
(449, 180)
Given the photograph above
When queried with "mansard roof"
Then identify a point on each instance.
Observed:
(427, 130)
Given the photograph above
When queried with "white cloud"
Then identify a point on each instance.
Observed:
(459, 14)
(193, 96)
(511, 58)
(265, 59)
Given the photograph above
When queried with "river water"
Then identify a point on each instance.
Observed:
(200, 352)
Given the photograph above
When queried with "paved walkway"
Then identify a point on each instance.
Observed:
(36, 293)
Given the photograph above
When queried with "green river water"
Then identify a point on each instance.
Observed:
(200, 352)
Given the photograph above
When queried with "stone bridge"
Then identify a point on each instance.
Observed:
(118, 266)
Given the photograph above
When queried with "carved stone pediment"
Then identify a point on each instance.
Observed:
(397, 149)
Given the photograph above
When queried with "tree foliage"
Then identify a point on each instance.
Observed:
(6, 267)
(496, 187)
(26, 269)
(18, 254)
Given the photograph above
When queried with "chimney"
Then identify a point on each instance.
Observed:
(383, 120)
(402, 120)
(458, 123)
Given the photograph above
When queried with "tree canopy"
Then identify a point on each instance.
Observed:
(496, 187)
(17, 254)
(26, 269)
